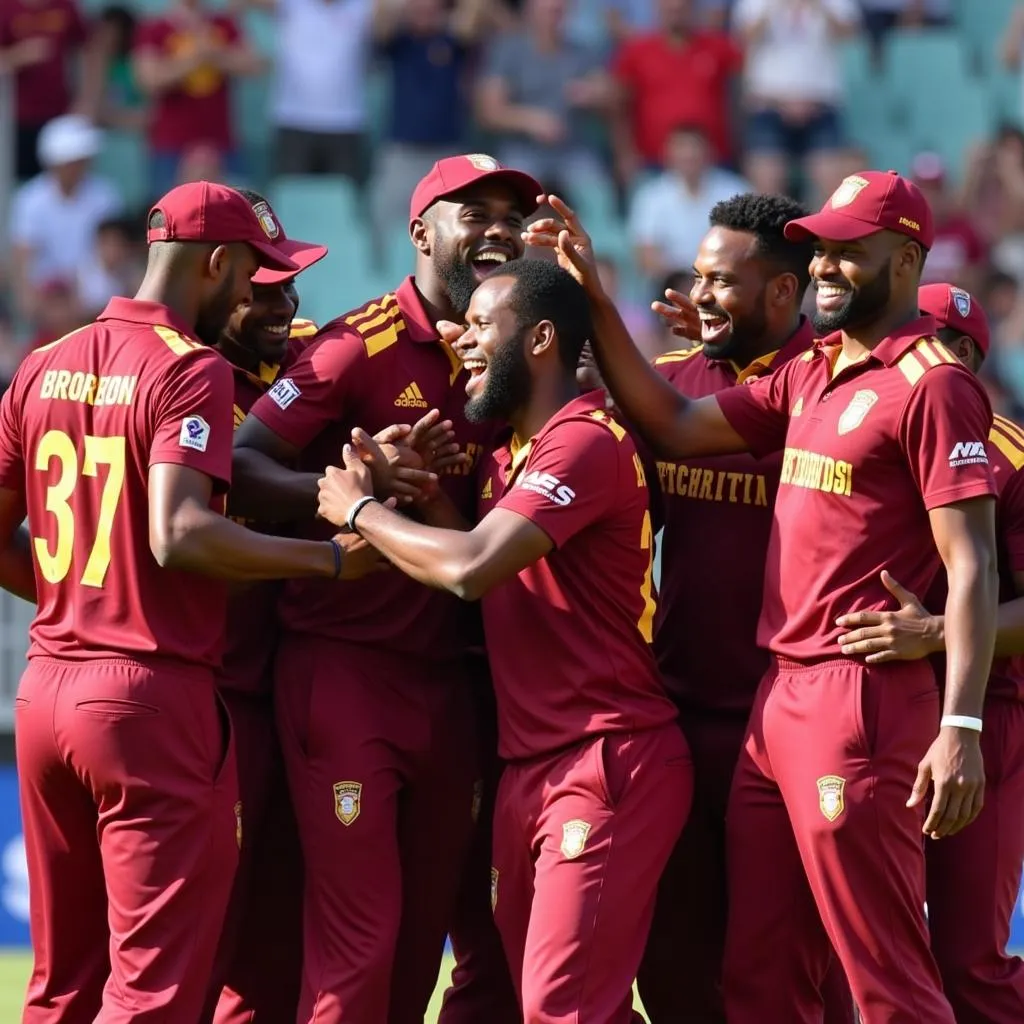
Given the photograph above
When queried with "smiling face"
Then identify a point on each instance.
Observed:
(853, 280)
(258, 331)
(493, 350)
(730, 292)
(471, 235)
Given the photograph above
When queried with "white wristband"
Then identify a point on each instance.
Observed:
(960, 722)
(356, 509)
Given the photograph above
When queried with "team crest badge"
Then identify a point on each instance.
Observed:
(574, 838)
(478, 799)
(853, 415)
(346, 801)
(962, 301)
(830, 795)
(238, 823)
(482, 162)
(267, 220)
(494, 889)
(849, 188)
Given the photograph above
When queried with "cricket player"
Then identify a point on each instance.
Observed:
(374, 686)
(597, 779)
(259, 960)
(749, 285)
(884, 466)
(116, 440)
(974, 876)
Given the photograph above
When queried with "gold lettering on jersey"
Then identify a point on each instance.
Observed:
(702, 484)
(68, 386)
(467, 466)
(817, 472)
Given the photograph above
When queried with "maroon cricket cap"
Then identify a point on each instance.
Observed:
(454, 173)
(204, 212)
(302, 254)
(864, 203)
(956, 308)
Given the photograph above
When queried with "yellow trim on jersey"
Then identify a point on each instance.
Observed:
(383, 339)
(488, 491)
(935, 352)
(239, 416)
(175, 341)
(1014, 454)
(302, 328)
(364, 316)
(760, 363)
(808, 355)
(928, 351)
(1010, 428)
(453, 359)
(911, 368)
(520, 453)
(678, 355)
(54, 344)
(602, 417)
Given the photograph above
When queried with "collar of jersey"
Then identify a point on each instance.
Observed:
(799, 341)
(892, 347)
(137, 311)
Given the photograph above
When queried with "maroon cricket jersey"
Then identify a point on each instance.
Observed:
(866, 455)
(717, 521)
(252, 622)
(568, 638)
(383, 363)
(82, 423)
(1006, 455)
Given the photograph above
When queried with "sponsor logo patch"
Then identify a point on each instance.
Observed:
(853, 415)
(347, 798)
(968, 453)
(549, 486)
(574, 838)
(284, 392)
(830, 795)
(195, 433)
(411, 398)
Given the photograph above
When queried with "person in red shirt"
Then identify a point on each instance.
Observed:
(597, 778)
(374, 682)
(974, 876)
(186, 61)
(884, 465)
(116, 440)
(749, 284)
(676, 75)
(259, 958)
(38, 39)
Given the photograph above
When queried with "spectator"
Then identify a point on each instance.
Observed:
(636, 318)
(536, 92)
(59, 312)
(1012, 49)
(319, 99)
(794, 90)
(625, 18)
(39, 39)
(121, 104)
(882, 16)
(674, 75)
(427, 50)
(669, 213)
(11, 351)
(958, 254)
(994, 197)
(114, 267)
(54, 216)
(676, 281)
(186, 61)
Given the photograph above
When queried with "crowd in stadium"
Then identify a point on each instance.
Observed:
(348, 636)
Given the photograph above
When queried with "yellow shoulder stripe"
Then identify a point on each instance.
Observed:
(1009, 428)
(239, 416)
(175, 341)
(54, 344)
(1013, 452)
(678, 356)
(911, 367)
(301, 328)
(602, 417)
(808, 355)
(379, 324)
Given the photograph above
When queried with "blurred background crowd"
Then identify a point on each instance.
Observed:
(642, 113)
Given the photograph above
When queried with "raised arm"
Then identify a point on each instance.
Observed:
(673, 426)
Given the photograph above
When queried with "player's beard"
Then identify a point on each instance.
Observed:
(459, 280)
(863, 306)
(745, 336)
(216, 314)
(508, 383)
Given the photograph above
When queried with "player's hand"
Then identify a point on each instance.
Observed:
(358, 557)
(572, 245)
(680, 314)
(340, 489)
(908, 634)
(432, 439)
(588, 373)
(956, 771)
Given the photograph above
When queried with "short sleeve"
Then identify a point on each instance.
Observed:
(943, 432)
(12, 456)
(313, 393)
(1011, 520)
(759, 411)
(570, 481)
(193, 416)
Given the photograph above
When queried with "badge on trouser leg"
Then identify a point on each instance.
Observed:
(574, 838)
(830, 795)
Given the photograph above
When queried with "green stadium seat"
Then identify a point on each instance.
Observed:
(123, 161)
(982, 24)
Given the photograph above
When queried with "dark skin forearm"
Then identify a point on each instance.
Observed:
(265, 491)
(17, 575)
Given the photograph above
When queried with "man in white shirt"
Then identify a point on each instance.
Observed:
(54, 215)
(793, 90)
(668, 216)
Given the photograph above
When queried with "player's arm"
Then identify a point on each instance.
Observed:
(468, 564)
(263, 487)
(672, 425)
(17, 574)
